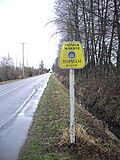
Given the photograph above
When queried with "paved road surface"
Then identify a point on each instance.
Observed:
(18, 102)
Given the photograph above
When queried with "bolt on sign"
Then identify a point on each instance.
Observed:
(71, 56)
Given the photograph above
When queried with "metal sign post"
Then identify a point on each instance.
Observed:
(72, 106)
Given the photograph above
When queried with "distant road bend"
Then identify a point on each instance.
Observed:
(14, 96)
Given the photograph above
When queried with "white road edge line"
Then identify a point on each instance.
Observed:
(18, 111)
(22, 106)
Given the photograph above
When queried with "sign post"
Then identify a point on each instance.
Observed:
(71, 57)
(72, 108)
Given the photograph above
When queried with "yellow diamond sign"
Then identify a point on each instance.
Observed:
(71, 56)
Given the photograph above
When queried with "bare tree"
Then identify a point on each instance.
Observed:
(117, 18)
(7, 68)
(96, 24)
(41, 67)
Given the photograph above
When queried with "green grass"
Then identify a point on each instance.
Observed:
(51, 118)
(48, 137)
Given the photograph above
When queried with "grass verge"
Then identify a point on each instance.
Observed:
(51, 118)
(48, 137)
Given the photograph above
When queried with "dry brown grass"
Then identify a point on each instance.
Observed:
(81, 135)
(86, 141)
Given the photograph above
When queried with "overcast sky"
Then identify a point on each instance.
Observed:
(23, 21)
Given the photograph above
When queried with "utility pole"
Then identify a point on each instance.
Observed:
(23, 67)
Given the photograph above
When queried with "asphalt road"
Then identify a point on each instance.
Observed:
(18, 102)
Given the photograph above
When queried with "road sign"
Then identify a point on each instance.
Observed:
(71, 56)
